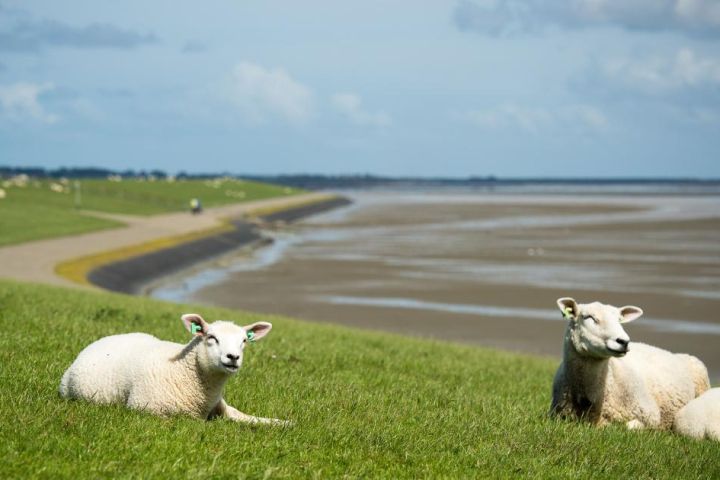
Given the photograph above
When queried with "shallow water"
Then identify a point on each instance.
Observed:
(665, 325)
(182, 287)
(486, 269)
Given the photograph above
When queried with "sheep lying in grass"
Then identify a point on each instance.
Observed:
(603, 379)
(701, 417)
(164, 378)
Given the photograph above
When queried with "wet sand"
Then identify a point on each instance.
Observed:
(131, 275)
(486, 269)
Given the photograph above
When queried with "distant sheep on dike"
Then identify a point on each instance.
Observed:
(701, 417)
(603, 378)
(164, 378)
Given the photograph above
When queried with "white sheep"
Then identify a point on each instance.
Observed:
(701, 417)
(164, 378)
(603, 378)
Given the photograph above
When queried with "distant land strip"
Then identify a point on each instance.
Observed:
(314, 181)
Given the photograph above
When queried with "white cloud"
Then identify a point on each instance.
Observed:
(262, 93)
(684, 70)
(502, 17)
(21, 100)
(350, 105)
(538, 120)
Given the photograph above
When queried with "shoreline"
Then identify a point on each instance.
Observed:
(455, 267)
(486, 270)
(135, 274)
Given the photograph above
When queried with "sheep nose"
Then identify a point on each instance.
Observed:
(623, 341)
(232, 357)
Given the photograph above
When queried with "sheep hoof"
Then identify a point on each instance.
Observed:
(281, 423)
(634, 425)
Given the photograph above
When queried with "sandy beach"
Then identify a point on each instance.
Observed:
(486, 269)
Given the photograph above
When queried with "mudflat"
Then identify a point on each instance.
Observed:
(486, 269)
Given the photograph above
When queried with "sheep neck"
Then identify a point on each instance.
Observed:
(205, 384)
(590, 377)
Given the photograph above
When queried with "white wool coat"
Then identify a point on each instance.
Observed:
(644, 389)
(701, 417)
(142, 372)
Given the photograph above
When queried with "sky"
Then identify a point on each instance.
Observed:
(452, 88)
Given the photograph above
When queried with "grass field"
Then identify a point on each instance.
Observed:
(22, 221)
(34, 211)
(364, 404)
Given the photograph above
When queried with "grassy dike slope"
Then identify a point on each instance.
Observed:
(364, 404)
(34, 211)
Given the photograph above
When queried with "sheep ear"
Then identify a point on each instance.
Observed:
(629, 313)
(258, 330)
(569, 307)
(195, 324)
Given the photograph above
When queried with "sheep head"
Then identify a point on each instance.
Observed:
(596, 329)
(222, 343)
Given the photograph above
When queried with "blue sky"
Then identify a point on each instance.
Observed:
(452, 88)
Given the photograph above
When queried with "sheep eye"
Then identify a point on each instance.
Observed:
(213, 338)
(595, 320)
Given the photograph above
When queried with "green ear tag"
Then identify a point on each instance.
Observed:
(251, 336)
(194, 327)
(567, 313)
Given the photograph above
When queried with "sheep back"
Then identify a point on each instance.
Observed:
(648, 384)
(672, 379)
(139, 371)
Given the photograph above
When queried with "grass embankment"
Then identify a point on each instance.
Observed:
(77, 269)
(365, 405)
(31, 210)
(29, 215)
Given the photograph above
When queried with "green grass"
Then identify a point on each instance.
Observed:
(365, 405)
(145, 198)
(35, 211)
(22, 221)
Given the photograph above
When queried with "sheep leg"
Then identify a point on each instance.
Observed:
(224, 410)
(648, 417)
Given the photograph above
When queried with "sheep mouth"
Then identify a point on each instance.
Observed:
(617, 353)
(230, 366)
